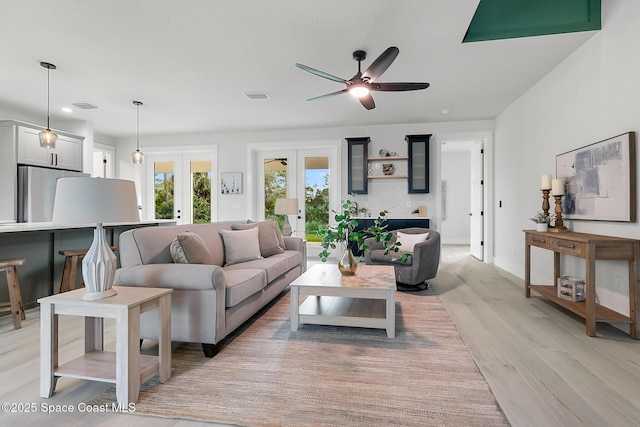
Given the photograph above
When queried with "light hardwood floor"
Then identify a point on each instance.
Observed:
(542, 368)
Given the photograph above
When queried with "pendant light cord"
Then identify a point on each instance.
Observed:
(48, 72)
(138, 127)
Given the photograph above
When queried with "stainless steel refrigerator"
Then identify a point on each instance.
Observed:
(36, 192)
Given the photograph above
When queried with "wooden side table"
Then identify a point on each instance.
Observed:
(126, 368)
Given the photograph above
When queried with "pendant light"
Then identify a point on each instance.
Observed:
(48, 138)
(137, 155)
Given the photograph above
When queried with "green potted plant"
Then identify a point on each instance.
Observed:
(344, 232)
(542, 221)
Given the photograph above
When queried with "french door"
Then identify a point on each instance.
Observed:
(310, 176)
(178, 187)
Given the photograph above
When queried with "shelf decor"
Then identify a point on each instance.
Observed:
(600, 180)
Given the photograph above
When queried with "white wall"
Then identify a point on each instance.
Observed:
(456, 172)
(233, 152)
(593, 95)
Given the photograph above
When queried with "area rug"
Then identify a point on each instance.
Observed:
(267, 375)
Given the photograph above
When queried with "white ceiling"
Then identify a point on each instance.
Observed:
(189, 61)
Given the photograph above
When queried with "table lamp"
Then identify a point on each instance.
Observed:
(96, 201)
(286, 207)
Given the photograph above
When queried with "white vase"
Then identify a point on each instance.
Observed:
(542, 226)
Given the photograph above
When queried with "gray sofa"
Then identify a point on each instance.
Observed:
(209, 301)
(419, 268)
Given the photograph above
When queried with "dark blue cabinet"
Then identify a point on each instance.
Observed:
(418, 147)
(358, 154)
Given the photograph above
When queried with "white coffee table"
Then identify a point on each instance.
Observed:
(365, 300)
(126, 368)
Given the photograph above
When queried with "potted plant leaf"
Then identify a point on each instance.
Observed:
(542, 221)
(343, 232)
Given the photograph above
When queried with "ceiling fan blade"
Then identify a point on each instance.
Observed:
(381, 64)
(321, 73)
(398, 87)
(367, 102)
(327, 95)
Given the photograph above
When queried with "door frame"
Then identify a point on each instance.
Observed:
(181, 155)
(487, 165)
(256, 154)
(254, 169)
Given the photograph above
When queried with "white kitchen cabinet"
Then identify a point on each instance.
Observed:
(66, 155)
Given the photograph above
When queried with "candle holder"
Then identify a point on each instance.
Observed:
(558, 225)
(545, 201)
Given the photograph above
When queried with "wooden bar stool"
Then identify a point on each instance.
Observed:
(72, 258)
(14, 305)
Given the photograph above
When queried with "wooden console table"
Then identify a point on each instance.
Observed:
(591, 247)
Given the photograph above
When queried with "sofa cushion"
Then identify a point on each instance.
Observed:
(267, 237)
(242, 283)
(240, 245)
(408, 241)
(275, 266)
(189, 248)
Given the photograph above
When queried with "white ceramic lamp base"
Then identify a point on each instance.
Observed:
(99, 268)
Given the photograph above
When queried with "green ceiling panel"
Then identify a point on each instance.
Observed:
(506, 19)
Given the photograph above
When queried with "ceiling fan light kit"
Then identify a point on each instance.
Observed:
(362, 83)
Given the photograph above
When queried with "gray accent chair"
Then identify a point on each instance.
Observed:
(419, 268)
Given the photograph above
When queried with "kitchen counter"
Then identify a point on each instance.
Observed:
(40, 242)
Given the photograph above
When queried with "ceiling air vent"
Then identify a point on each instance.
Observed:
(256, 95)
(84, 105)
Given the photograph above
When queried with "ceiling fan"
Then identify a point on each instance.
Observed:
(363, 83)
(283, 162)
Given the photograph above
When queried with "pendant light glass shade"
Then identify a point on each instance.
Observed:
(137, 156)
(48, 138)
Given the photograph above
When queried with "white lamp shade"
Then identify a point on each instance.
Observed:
(95, 200)
(287, 206)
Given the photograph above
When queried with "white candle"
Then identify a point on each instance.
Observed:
(545, 182)
(557, 187)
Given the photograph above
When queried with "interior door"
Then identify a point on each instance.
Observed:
(477, 201)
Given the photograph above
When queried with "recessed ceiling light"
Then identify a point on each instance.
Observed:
(446, 111)
(67, 110)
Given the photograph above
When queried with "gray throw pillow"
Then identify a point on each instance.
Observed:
(267, 238)
(189, 248)
(276, 228)
(240, 245)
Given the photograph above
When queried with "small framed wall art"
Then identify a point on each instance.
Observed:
(231, 183)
